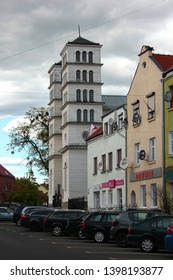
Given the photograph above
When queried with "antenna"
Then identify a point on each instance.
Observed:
(79, 29)
(168, 96)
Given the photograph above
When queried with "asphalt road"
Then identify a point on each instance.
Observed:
(17, 243)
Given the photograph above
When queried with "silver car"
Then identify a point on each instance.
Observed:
(6, 214)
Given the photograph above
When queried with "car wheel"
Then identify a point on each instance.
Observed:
(56, 230)
(121, 239)
(147, 245)
(99, 237)
(80, 235)
(18, 223)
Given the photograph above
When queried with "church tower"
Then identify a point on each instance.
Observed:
(81, 106)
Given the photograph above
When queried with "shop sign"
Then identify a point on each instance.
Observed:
(112, 183)
(146, 174)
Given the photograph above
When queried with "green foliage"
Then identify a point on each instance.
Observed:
(26, 192)
(32, 137)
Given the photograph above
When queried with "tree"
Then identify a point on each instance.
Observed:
(26, 192)
(31, 136)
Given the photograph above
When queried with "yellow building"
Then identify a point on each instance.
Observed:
(145, 130)
(168, 136)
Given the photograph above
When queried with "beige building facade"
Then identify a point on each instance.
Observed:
(145, 134)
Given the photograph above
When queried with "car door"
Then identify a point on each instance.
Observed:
(5, 214)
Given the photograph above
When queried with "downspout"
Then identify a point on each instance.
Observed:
(163, 145)
(125, 109)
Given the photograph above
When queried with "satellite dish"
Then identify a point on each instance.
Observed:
(85, 134)
(168, 96)
(142, 154)
(110, 121)
(124, 163)
(100, 166)
(136, 118)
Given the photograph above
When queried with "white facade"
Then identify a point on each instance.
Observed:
(106, 149)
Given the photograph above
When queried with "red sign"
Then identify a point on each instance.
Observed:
(112, 184)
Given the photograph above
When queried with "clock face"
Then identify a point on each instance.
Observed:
(85, 134)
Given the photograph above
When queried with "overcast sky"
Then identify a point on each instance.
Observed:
(33, 32)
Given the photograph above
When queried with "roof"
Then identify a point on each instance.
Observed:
(113, 101)
(5, 173)
(163, 61)
(97, 132)
(83, 41)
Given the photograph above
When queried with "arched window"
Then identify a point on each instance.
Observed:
(91, 95)
(91, 115)
(78, 95)
(91, 76)
(84, 75)
(78, 56)
(85, 115)
(78, 75)
(90, 57)
(78, 115)
(84, 95)
(84, 56)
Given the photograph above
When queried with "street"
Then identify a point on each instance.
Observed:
(18, 243)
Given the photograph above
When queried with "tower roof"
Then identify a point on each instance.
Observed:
(82, 41)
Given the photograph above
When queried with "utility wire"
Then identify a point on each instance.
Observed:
(73, 34)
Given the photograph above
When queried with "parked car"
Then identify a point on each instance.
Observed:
(6, 214)
(119, 228)
(168, 240)
(33, 219)
(17, 214)
(97, 225)
(74, 227)
(11, 205)
(149, 234)
(57, 221)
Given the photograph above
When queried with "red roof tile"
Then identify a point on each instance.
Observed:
(164, 61)
(5, 172)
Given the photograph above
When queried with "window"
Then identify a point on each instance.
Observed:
(84, 95)
(103, 198)
(110, 161)
(119, 197)
(151, 105)
(91, 95)
(90, 57)
(78, 75)
(78, 56)
(110, 197)
(78, 95)
(136, 153)
(84, 56)
(104, 163)
(84, 76)
(143, 196)
(78, 115)
(95, 164)
(106, 128)
(85, 115)
(170, 144)
(151, 149)
(136, 116)
(91, 76)
(153, 195)
(170, 103)
(120, 121)
(91, 115)
(119, 157)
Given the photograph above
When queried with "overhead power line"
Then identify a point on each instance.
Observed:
(73, 34)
